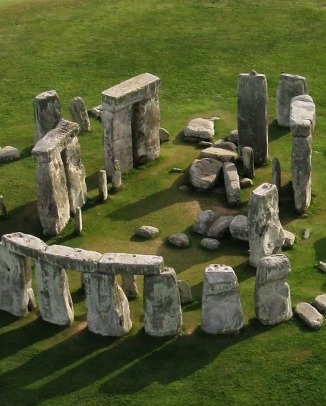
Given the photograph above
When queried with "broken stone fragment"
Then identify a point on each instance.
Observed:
(239, 228)
(164, 135)
(246, 183)
(220, 227)
(210, 244)
(309, 315)
(233, 137)
(8, 154)
(248, 162)
(220, 154)
(232, 183)
(102, 186)
(229, 146)
(204, 221)
(180, 240)
(147, 232)
(322, 266)
(199, 129)
(204, 173)
(320, 303)
(289, 239)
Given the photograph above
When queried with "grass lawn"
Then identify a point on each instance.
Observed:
(197, 48)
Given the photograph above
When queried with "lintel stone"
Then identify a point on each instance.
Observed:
(23, 244)
(136, 264)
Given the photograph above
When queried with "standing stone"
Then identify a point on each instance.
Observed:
(102, 186)
(79, 114)
(248, 162)
(276, 173)
(108, 311)
(53, 294)
(232, 183)
(78, 221)
(266, 235)
(185, 292)
(162, 308)
(272, 293)
(289, 86)
(221, 306)
(16, 293)
(47, 112)
(3, 207)
(129, 286)
(253, 115)
(116, 176)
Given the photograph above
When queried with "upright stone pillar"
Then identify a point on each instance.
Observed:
(102, 186)
(53, 294)
(221, 306)
(162, 307)
(47, 113)
(16, 293)
(116, 176)
(288, 87)
(253, 115)
(108, 311)
(276, 173)
(129, 286)
(78, 221)
(272, 293)
(79, 115)
(266, 234)
(248, 162)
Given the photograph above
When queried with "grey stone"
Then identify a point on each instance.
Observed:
(53, 294)
(302, 115)
(205, 144)
(288, 87)
(205, 220)
(96, 111)
(108, 311)
(176, 170)
(306, 234)
(233, 137)
(301, 169)
(210, 244)
(164, 135)
(220, 154)
(253, 115)
(239, 228)
(310, 316)
(102, 186)
(125, 264)
(8, 154)
(204, 173)
(47, 112)
(272, 293)
(147, 232)
(220, 227)
(276, 173)
(248, 162)
(229, 146)
(79, 114)
(320, 303)
(116, 176)
(221, 306)
(180, 240)
(232, 183)
(162, 307)
(321, 266)
(266, 235)
(129, 286)
(289, 239)
(78, 221)
(185, 292)
(199, 129)
(246, 183)
(23, 244)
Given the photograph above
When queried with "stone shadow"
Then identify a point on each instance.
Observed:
(275, 131)
(320, 249)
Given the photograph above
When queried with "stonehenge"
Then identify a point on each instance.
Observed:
(79, 114)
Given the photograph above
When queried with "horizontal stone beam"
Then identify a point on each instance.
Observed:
(136, 264)
(131, 91)
(302, 115)
(23, 244)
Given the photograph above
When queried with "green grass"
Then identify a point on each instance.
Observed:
(197, 48)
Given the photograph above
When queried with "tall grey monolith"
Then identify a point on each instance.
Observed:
(47, 113)
(266, 235)
(248, 162)
(221, 306)
(79, 115)
(253, 114)
(272, 293)
(288, 87)
(102, 186)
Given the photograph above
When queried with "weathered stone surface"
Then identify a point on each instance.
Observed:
(47, 113)
(322, 266)
(220, 227)
(301, 172)
(199, 129)
(229, 146)
(232, 183)
(163, 135)
(220, 154)
(116, 176)
(203, 173)
(78, 221)
(266, 235)
(102, 186)
(320, 303)
(310, 316)
(205, 220)
(289, 239)
(302, 115)
(147, 232)
(23, 244)
(162, 308)
(246, 183)
(130, 117)
(8, 154)
(233, 137)
(108, 311)
(253, 115)
(79, 114)
(276, 173)
(124, 264)
(53, 294)
(205, 144)
(239, 228)
(180, 240)
(210, 244)
(248, 162)
(272, 293)
(129, 286)
(221, 306)
(96, 111)
(184, 292)
(288, 87)
(16, 293)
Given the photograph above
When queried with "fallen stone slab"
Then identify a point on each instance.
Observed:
(8, 154)
(147, 232)
(239, 228)
(199, 129)
(204, 173)
(220, 154)
(220, 227)
(204, 221)
(179, 240)
(309, 315)
(210, 244)
(229, 146)
(232, 184)
(184, 291)
(320, 303)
